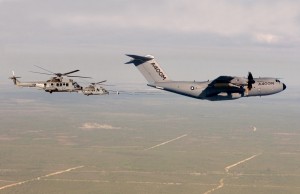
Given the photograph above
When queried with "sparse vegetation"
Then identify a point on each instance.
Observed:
(45, 135)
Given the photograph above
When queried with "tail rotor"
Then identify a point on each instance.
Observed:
(14, 78)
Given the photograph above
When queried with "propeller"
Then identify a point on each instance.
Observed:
(250, 81)
(58, 74)
(13, 77)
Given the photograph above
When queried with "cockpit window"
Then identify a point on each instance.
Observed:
(277, 81)
(76, 85)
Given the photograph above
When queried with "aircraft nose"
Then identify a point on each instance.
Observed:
(284, 86)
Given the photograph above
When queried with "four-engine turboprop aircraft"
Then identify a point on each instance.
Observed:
(222, 88)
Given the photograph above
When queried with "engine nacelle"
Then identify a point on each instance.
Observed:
(225, 96)
(239, 81)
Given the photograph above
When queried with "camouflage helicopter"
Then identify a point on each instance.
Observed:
(95, 89)
(58, 83)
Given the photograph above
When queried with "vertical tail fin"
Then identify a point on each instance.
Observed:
(150, 69)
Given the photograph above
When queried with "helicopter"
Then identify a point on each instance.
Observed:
(57, 83)
(95, 89)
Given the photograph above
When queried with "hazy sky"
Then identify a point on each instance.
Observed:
(192, 40)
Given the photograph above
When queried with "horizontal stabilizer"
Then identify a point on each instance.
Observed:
(137, 60)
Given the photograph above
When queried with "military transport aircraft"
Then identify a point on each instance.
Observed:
(222, 88)
(58, 83)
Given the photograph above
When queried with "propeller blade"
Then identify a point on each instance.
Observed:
(40, 73)
(101, 82)
(250, 81)
(70, 72)
(58, 74)
(249, 86)
(250, 77)
(45, 69)
(77, 76)
(13, 77)
(107, 85)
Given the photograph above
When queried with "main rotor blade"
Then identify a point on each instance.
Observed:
(70, 72)
(107, 85)
(40, 73)
(77, 76)
(101, 82)
(45, 69)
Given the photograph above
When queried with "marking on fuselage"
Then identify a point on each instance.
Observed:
(265, 83)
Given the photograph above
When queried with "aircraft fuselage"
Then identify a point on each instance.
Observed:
(202, 90)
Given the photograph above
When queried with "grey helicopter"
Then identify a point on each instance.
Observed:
(221, 88)
(95, 89)
(60, 82)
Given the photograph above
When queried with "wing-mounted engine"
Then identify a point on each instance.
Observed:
(225, 96)
(230, 81)
(228, 87)
(239, 82)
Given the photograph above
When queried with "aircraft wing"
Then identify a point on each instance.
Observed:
(222, 81)
(227, 84)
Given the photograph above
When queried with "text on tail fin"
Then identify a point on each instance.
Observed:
(149, 68)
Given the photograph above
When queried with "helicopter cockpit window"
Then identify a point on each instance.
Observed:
(76, 85)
